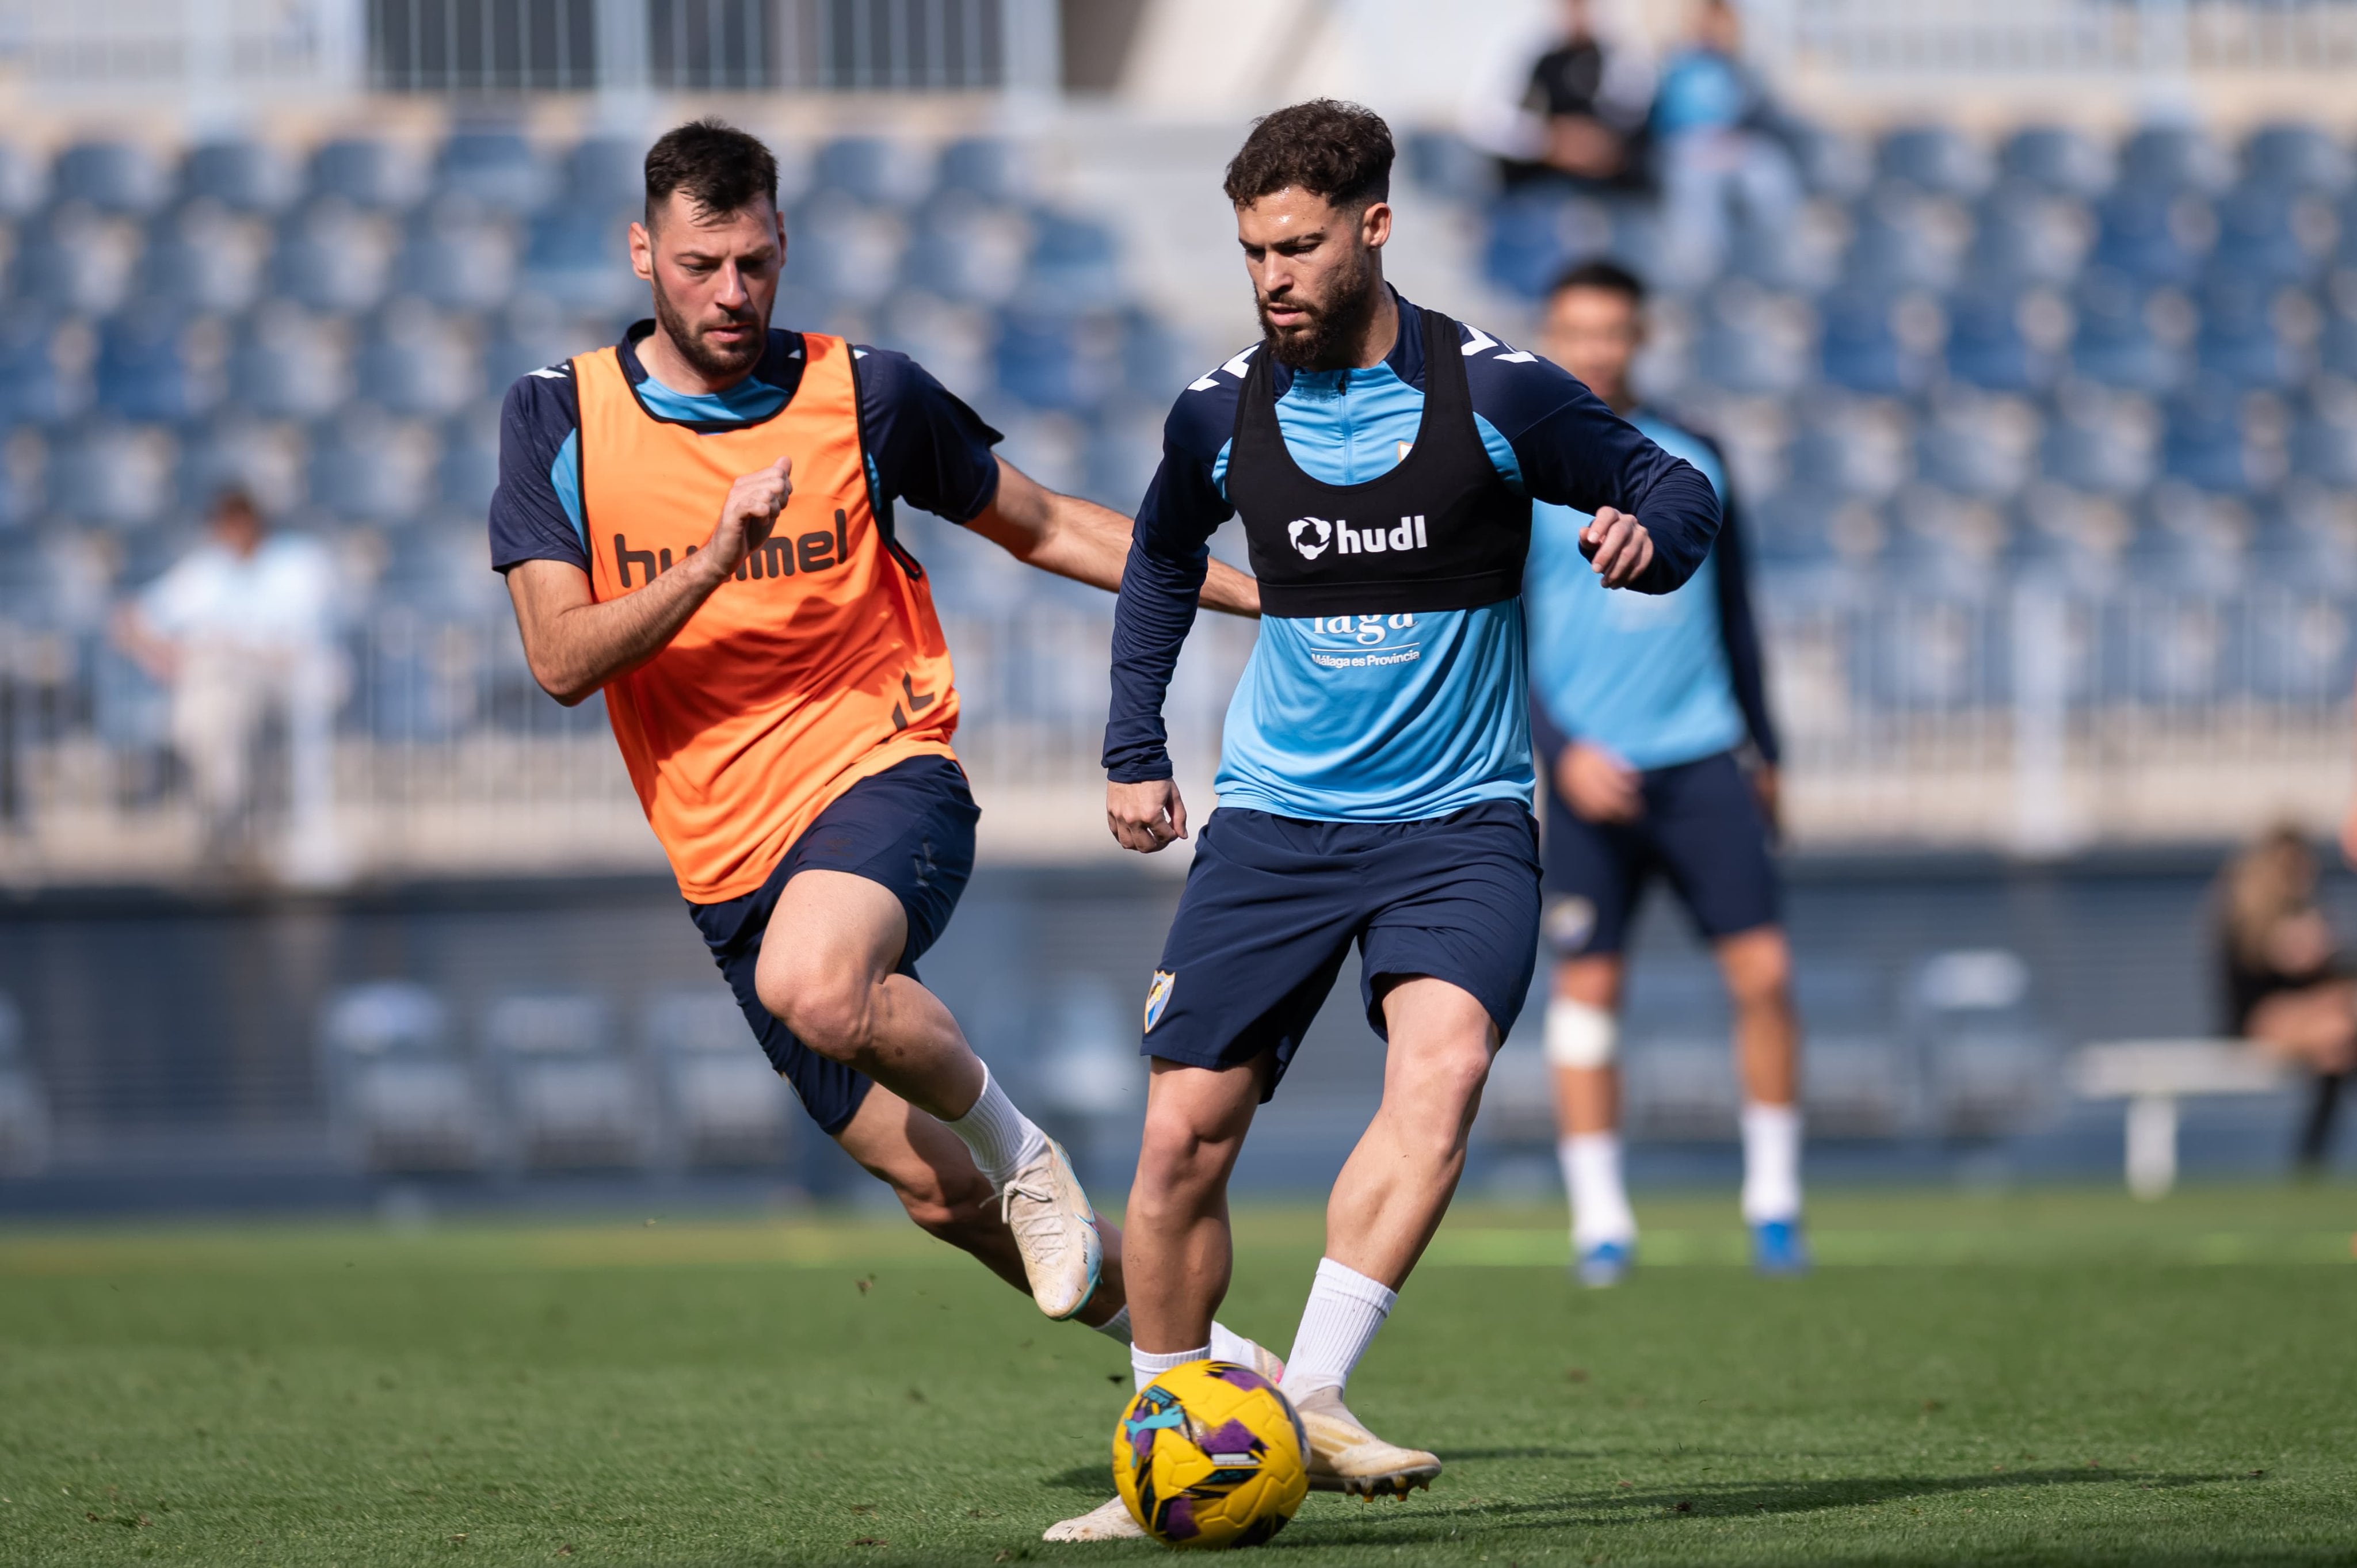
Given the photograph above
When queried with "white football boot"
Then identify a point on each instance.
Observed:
(1111, 1520)
(1056, 1231)
(1344, 1456)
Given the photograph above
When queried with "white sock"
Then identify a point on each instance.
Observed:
(1227, 1345)
(1345, 1309)
(1002, 1139)
(1600, 1203)
(1772, 1163)
(1146, 1365)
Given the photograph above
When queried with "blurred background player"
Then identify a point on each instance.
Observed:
(1641, 707)
(780, 691)
(2287, 985)
(1375, 776)
(1580, 117)
(242, 628)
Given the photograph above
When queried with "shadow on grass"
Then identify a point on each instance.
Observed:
(1437, 1519)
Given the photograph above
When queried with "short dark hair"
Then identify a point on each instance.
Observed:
(1340, 151)
(237, 498)
(1599, 274)
(721, 168)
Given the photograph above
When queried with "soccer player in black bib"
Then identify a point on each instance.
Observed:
(1376, 784)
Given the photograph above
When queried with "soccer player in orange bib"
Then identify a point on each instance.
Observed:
(698, 522)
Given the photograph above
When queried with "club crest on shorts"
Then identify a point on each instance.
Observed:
(1157, 997)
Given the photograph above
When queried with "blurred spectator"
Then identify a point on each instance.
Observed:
(1581, 115)
(241, 628)
(1717, 131)
(2288, 987)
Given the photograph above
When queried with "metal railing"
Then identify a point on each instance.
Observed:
(2032, 720)
(2048, 37)
(219, 55)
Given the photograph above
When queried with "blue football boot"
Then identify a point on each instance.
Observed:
(1606, 1263)
(1778, 1249)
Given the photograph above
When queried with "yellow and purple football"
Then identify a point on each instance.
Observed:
(1211, 1454)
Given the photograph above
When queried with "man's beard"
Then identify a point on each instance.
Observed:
(711, 361)
(1328, 339)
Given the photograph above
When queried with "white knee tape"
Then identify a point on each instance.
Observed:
(1579, 1035)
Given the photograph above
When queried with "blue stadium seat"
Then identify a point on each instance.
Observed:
(2297, 156)
(1752, 341)
(1904, 239)
(532, 334)
(78, 262)
(368, 174)
(415, 362)
(156, 365)
(964, 248)
(2167, 159)
(2302, 647)
(2006, 341)
(844, 249)
(2025, 236)
(2130, 335)
(114, 176)
(2106, 444)
(952, 340)
(265, 458)
(2272, 233)
(495, 169)
(367, 468)
(580, 256)
(607, 174)
(1880, 346)
(2250, 334)
(1861, 450)
(1833, 163)
(24, 182)
(1937, 158)
(243, 176)
(288, 363)
(1983, 448)
(469, 467)
(203, 258)
(459, 254)
(42, 380)
(2336, 346)
(2211, 442)
(333, 257)
(2154, 236)
(1534, 234)
(1058, 359)
(1075, 262)
(876, 170)
(1802, 254)
(2062, 159)
(2323, 445)
(991, 168)
(1945, 544)
(119, 476)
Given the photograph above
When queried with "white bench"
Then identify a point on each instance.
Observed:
(2152, 1076)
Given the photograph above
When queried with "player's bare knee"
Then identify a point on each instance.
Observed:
(830, 1013)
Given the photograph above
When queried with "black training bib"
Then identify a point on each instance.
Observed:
(1440, 531)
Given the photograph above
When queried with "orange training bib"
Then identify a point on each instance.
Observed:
(819, 664)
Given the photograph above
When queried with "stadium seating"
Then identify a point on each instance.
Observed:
(722, 1104)
(399, 1099)
(24, 1107)
(570, 1097)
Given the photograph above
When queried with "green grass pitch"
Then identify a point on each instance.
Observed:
(2036, 1378)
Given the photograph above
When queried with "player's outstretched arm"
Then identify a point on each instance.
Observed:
(1082, 541)
(574, 643)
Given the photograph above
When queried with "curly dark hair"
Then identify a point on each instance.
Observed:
(721, 168)
(1340, 151)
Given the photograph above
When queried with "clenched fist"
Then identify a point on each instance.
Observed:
(748, 515)
(1617, 547)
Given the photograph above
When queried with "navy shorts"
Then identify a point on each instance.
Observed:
(1702, 829)
(1273, 903)
(909, 828)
